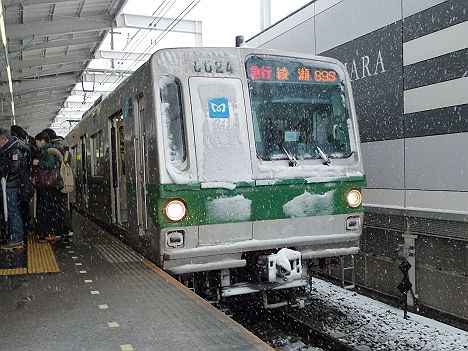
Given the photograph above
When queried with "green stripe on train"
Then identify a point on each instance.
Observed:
(252, 202)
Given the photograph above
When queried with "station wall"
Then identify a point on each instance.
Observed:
(407, 62)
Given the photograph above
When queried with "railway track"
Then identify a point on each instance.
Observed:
(309, 332)
(278, 327)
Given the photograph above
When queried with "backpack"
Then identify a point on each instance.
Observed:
(67, 183)
(66, 172)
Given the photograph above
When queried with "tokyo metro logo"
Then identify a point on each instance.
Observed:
(218, 108)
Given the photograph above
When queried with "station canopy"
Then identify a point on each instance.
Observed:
(61, 55)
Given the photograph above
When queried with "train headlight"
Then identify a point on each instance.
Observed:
(354, 198)
(175, 210)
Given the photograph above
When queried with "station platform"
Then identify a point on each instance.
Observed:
(107, 297)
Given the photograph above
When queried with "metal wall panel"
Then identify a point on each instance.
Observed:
(289, 23)
(304, 39)
(433, 19)
(381, 242)
(433, 253)
(383, 197)
(438, 201)
(410, 7)
(443, 291)
(351, 19)
(437, 162)
(437, 69)
(323, 5)
(435, 96)
(386, 283)
(374, 62)
(447, 120)
(384, 163)
(435, 44)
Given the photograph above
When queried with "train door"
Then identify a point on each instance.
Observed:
(133, 110)
(84, 172)
(73, 163)
(140, 148)
(118, 170)
(223, 156)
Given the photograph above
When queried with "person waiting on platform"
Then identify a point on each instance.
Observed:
(59, 141)
(27, 191)
(50, 210)
(13, 169)
(55, 139)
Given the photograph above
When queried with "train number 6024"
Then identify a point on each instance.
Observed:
(212, 66)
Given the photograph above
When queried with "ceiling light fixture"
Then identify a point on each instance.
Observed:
(7, 60)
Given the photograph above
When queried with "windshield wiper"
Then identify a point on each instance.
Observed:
(323, 156)
(292, 159)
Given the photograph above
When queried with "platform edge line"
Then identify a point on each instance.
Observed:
(206, 305)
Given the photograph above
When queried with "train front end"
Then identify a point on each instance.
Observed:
(260, 173)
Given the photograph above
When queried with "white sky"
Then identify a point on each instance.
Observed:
(222, 19)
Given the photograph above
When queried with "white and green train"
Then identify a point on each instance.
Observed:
(233, 168)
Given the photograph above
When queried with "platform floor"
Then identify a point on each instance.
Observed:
(107, 297)
(34, 257)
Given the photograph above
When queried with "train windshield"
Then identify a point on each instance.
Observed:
(299, 109)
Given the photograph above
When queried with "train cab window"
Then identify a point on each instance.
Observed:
(97, 155)
(299, 109)
(173, 121)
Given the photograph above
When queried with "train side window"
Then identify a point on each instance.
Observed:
(97, 154)
(173, 121)
(73, 154)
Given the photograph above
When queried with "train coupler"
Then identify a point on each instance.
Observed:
(284, 266)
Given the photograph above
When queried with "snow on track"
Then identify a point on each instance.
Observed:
(371, 325)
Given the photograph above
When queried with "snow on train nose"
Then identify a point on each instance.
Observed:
(284, 266)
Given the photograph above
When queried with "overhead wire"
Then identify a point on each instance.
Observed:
(127, 54)
(163, 5)
(161, 36)
(171, 25)
(163, 8)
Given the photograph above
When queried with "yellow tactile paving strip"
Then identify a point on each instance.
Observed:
(13, 271)
(41, 259)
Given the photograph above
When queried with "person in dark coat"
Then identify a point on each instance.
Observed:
(13, 163)
(51, 204)
(19, 132)
(59, 141)
(54, 138)
(28, 190)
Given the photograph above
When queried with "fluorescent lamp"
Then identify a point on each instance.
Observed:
(2, 25)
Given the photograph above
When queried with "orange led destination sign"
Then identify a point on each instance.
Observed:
(269, 70)
(325, 76)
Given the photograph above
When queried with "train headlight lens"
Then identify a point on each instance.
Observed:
(354, 198)
(175, 210)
